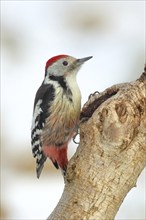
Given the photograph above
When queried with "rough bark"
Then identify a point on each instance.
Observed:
(110, 156)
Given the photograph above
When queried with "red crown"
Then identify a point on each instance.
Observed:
(54, 59)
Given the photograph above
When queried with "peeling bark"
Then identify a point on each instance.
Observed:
(110, 156)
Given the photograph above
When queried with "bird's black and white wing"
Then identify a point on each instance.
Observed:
(43, 99)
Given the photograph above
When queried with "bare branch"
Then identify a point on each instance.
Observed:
(111, 154)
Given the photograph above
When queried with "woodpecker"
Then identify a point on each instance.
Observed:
(56, 111)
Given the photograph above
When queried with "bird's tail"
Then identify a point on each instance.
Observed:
(40, 164)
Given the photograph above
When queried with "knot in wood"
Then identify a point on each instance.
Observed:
(121, 111)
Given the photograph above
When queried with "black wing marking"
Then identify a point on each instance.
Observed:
(43, 99)
(63, 84)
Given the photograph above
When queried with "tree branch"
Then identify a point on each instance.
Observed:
(111, 154)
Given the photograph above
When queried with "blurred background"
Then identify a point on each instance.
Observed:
(113, 32)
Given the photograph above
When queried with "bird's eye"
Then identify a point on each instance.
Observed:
(65, 63)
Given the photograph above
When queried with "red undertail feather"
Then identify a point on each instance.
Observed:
(58, 155)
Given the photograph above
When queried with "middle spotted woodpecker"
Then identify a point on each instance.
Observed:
(56, 111)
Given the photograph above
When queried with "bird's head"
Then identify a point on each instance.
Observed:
(63, 66)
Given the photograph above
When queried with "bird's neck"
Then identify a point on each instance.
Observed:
(67, 84)
(72, 84)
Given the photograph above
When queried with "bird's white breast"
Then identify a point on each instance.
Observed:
(76, 94)
(64, 113)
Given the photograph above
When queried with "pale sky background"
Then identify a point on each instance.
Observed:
(113, 32)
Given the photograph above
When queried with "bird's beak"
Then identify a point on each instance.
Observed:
(82, 60)
(78, 62)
